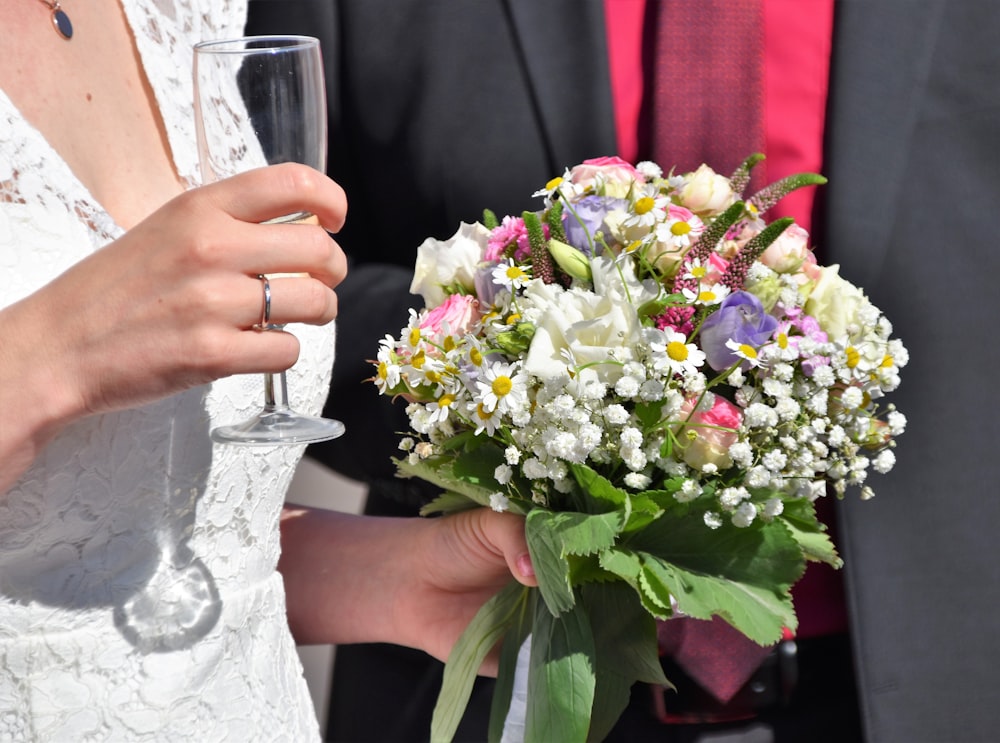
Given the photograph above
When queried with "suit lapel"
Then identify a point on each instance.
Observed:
(563, 51)
(866, 153)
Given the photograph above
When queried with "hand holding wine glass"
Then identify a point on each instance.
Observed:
(262, 101)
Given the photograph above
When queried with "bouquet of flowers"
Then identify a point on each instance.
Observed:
(662, 383)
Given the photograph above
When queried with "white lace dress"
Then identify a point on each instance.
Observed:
(138, 593)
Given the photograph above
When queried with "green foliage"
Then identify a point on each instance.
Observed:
(487, 627)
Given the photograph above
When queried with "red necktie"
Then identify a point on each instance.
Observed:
(707, 107)
(708, 83)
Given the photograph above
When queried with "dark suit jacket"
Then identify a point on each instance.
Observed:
(443, 107)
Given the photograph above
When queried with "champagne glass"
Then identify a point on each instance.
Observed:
(261, 100)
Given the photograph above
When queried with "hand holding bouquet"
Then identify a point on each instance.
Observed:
(663, 383)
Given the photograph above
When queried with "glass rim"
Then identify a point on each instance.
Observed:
(237, 44)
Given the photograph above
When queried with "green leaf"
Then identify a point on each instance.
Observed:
(553, 536)
(438, 472)
(741, 574)
(503, 689)
(601, 495)
(800, 518)
(626, 647)
(562, 677)
(551, 566)
(448, 502)
(482, 634)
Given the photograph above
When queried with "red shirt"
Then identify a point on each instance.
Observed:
(797, 45)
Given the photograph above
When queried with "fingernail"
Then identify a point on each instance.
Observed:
(524, 566)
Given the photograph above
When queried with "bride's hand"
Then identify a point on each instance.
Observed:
(462, 561)
(171, 304)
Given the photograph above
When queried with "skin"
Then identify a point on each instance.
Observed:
(182, 287)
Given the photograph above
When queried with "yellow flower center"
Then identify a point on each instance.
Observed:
(680, 228)
(476, 356)
(554, 183)
(502, 385)
(644, 205)
(449, 343)
(433, 376)
(445, 400)
(677, 351)
(483, 413)
(748, 351)
(513, 318)
(706, 296)
(699, 272)
(514, 273)
(853, 357)
(414, 336)
(418, 360)
(383, 370)
(782, 341)
(888, 361)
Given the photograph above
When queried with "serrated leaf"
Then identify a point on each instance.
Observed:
(757, 612)
(519, 629)
(482, 634)
(562, 677)
(743, 575)
(601, 494)
(551, 566)
(440, 474)
(448, 503)
(627, 651)
(800, 518)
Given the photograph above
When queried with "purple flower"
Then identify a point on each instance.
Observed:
(740, 318)
(586, 218)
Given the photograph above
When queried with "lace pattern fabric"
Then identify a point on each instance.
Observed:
(137, 513)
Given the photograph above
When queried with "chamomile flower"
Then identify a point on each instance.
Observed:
(706, 294)
(502, 387)
(745, 351)
(510, 275)
(671, 350)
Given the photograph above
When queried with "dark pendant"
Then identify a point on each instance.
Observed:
(62, 23)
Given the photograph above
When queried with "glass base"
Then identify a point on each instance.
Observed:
(280, 426)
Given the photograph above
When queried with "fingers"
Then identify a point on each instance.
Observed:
(279, 190)
(288, 299)
(503, 533)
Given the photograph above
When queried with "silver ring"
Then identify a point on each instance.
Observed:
(265, 315)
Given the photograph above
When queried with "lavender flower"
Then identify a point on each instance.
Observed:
(740, 318)
(586, 219)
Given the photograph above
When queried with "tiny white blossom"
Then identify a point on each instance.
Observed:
(503, 473)
(616, 415)
(744, 515)
(713, 520)
(499, 502)
(773, 507)
(637, 480)
(512, 455)
(406, 443)
(534, 470)
(688, 491)
(884, 461)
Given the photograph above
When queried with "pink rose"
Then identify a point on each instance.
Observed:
(613, 173)
(455, 316)
(714, 427)
(789, 252)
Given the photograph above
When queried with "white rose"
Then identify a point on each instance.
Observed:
(448, 263)
(593, 328)
(707, 192)
(834, 302)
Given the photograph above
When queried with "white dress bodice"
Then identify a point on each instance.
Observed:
(139, 598)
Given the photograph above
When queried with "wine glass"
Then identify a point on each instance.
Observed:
(261, 100)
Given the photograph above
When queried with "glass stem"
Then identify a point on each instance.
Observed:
(275, 392)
